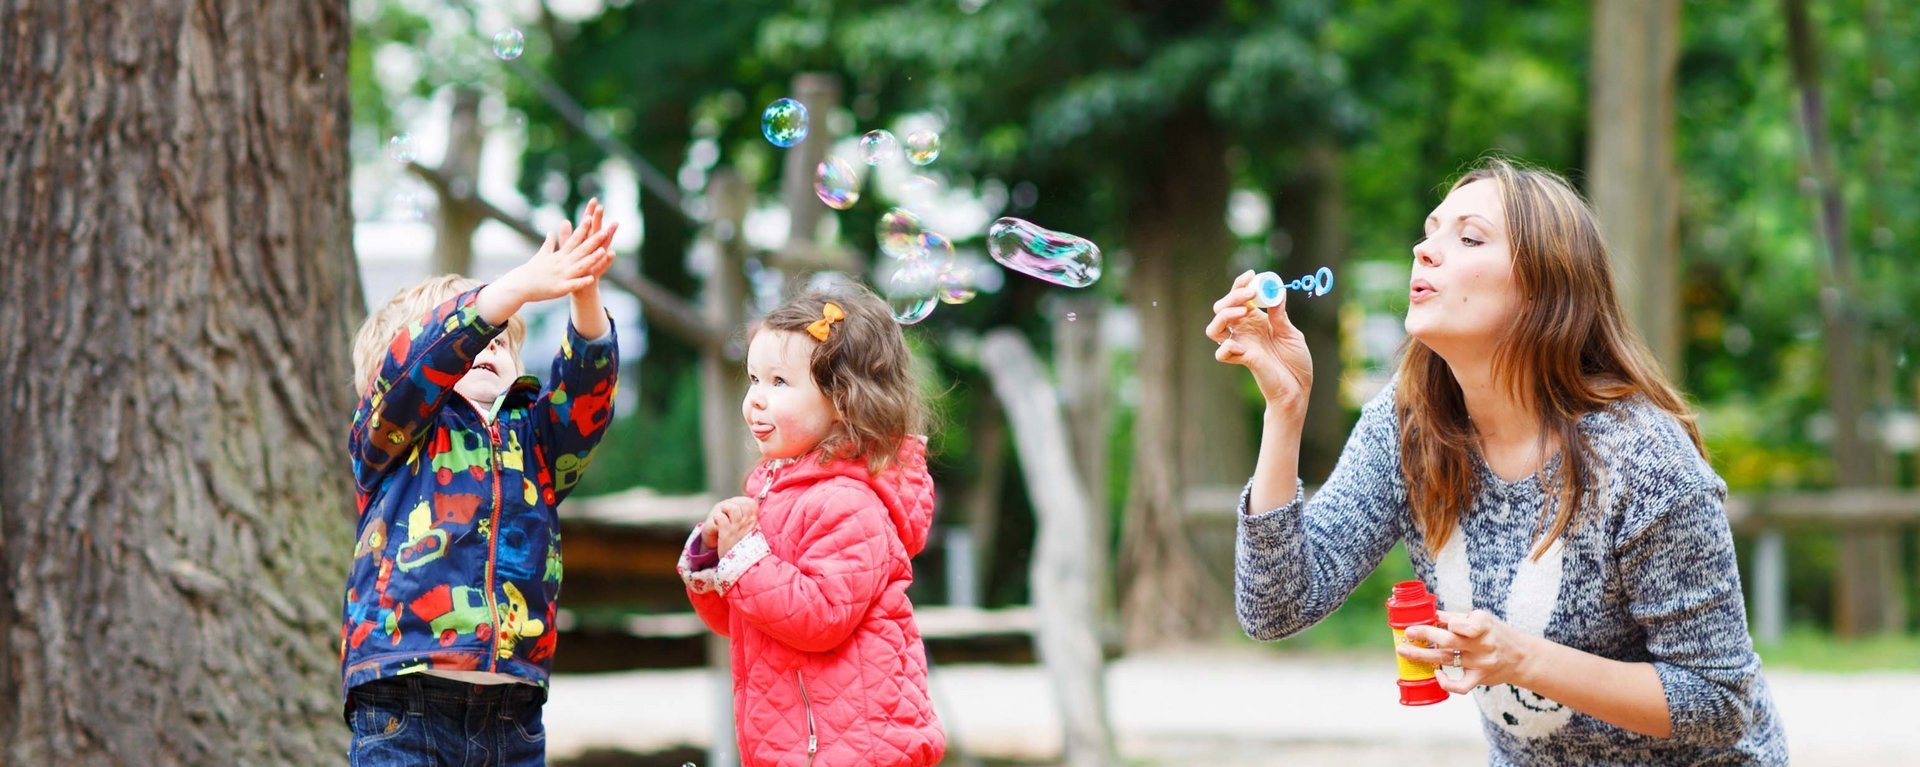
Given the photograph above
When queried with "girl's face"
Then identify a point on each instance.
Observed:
(785, 410)
(493, 371)
(1462, 290)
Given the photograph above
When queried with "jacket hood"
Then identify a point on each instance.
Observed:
(905, 487)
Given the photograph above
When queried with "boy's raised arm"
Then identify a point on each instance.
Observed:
(573, 412)
(426, 358)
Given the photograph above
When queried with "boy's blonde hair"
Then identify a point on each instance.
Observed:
(375, 336)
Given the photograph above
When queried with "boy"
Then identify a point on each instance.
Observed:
(458, 465)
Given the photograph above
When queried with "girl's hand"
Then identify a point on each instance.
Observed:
(1491, 652)
(736, 517)
(1266, 342)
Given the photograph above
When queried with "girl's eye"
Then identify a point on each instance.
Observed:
(753, 379)
(778, 381)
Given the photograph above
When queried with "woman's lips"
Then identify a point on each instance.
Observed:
(1420, 290)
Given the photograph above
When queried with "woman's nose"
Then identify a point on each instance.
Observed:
(1424, 253)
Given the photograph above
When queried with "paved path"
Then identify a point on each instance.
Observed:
(1237, 707)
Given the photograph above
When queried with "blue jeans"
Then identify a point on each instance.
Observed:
(419, 720)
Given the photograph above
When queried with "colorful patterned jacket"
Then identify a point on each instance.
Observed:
(458, 562)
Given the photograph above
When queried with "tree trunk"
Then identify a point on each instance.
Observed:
(1630, 170)
(1310, 207)
(1082, 362)
(1192, 424)
(1063, 586)
(459, 217)
(176, 292)
(1870, 598)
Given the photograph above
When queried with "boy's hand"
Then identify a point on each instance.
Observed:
(735, 518)
(569, 260)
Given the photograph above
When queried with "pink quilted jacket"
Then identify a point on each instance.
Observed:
(828, 669)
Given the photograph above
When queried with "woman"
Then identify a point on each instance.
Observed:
(1550, 485)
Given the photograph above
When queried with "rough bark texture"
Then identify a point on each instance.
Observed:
(1192, 426)
(177, 289)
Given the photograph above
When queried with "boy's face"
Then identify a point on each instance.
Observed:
(493, 371)
(784, 409)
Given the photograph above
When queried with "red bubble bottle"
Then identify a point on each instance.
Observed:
(1411, 605)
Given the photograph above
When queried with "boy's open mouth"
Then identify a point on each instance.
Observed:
(487, 366)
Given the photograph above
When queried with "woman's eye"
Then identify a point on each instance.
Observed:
(1418, 240)
(1471, 242)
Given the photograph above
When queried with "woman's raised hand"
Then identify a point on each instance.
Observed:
(1266, 342)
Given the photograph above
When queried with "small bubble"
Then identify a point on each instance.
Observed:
(784, 122)
(400, 147)
(899, 233)
(1073, 316)
(912, 291)
(877, 146)
(836, 184)
(923, 147)
(508, 43)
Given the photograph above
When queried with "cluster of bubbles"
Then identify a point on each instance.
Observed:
(927, 273)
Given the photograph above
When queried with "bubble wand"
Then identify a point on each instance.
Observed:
(1268, 287)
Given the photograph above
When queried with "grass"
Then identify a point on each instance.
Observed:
(1809, 649)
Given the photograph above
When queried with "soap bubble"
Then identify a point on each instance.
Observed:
(400, 147)
(923, 147)
(956, 284)
(911, 291)
(509, 43)
(899, 233)
(877, 146)
(784, 122)
(836, 183)
(1056, 257)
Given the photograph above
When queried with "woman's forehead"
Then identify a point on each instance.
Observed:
(1475, 198)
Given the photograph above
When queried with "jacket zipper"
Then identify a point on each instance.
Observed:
(813, 740)
(493, 543)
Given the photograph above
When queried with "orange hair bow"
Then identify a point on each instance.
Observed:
(829, 314)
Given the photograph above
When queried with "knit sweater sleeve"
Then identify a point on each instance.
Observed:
(1294, 565)
(1676, 556)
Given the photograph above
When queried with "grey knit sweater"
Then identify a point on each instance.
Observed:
(1648, 576)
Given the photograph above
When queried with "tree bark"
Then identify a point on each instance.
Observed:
(1630, 169)
(1869, 595)
(176, 293)
(1310, 207)
(1063, 588)
(1192, 423)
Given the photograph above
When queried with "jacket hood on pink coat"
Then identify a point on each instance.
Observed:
(904, 487)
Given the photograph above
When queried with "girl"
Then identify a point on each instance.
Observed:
(809, 576)
(1550, 486)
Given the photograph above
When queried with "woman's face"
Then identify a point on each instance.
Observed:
(1462, 292)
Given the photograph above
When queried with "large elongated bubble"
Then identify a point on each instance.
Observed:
(1056, 257)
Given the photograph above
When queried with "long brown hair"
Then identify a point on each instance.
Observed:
(863, 367)
(1569, 351)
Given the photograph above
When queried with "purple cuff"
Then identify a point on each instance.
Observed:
(699, 557)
